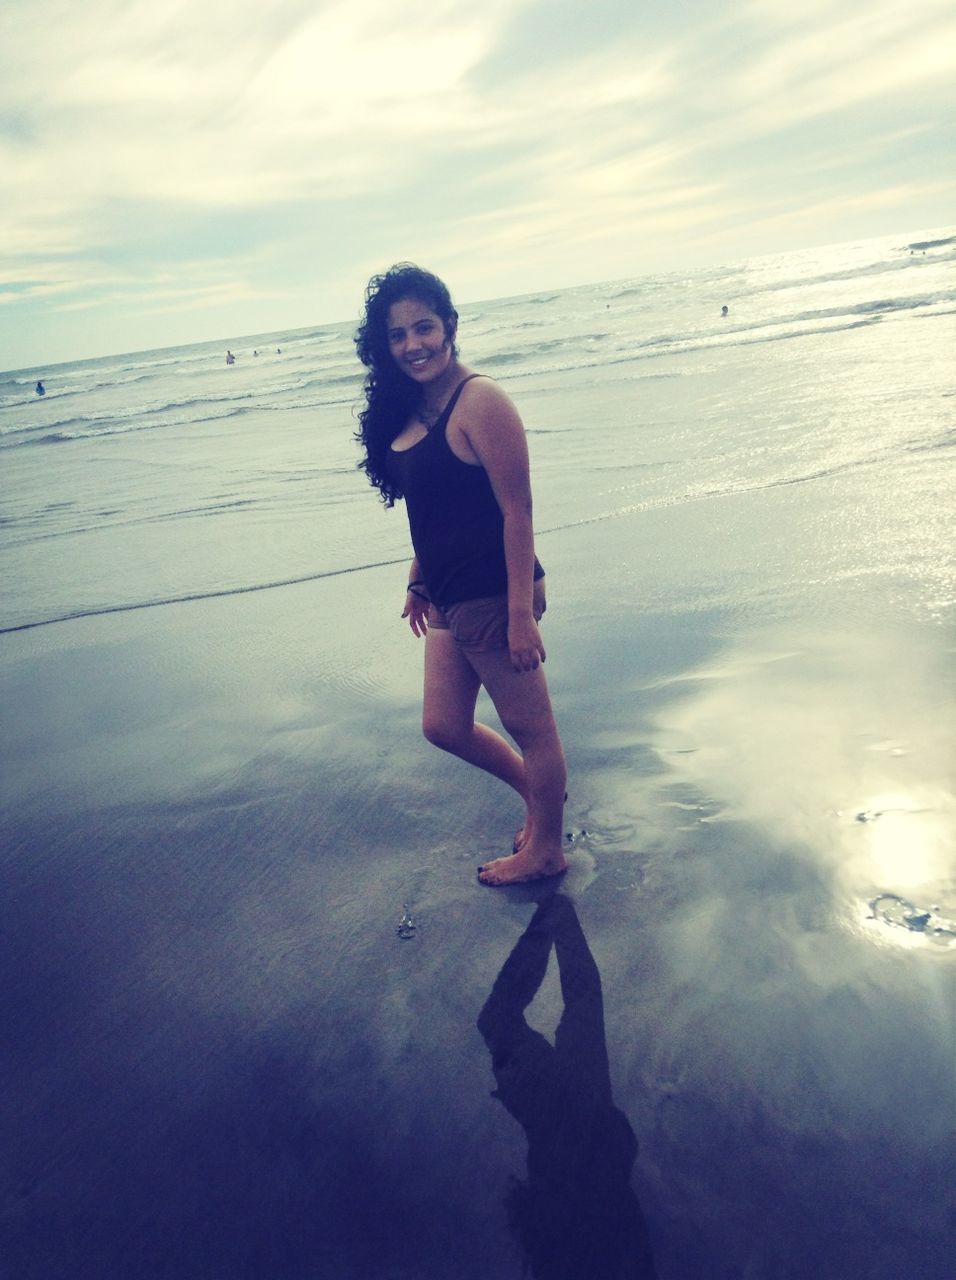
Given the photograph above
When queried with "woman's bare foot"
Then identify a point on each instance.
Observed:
(521, 835)
(520, 867)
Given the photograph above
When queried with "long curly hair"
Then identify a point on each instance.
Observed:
(391, 397)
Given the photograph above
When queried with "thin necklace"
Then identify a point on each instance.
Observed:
(428, 417)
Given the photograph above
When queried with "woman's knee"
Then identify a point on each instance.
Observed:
(528, 726)
(446, 734)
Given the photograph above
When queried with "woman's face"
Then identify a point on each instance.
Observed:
(418, 340)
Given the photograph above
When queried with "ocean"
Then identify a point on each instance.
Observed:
(166, 474)
(262, 1022)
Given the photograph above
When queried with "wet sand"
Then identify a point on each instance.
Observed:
(222, 1060)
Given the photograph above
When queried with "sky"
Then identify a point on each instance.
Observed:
(176, 172)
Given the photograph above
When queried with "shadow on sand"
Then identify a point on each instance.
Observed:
(576, 1214)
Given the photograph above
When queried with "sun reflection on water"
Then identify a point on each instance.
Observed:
(907, 838)
(837, 751)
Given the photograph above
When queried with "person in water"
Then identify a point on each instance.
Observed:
(230, 358)
(450, 442)
(41, 389)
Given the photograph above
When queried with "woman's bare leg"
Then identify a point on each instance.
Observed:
(524, 705)
(448, 713)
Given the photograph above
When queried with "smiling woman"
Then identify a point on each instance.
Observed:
(450, 442)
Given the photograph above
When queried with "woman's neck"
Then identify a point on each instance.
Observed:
(436, 394)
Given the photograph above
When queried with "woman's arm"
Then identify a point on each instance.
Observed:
(496, 435)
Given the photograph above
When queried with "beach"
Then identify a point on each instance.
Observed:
(262, 1019)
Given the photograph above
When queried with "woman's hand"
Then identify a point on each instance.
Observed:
(524, 644)
(416, 611)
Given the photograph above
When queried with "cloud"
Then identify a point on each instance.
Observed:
(357, 132)
(217, 119)
(839, 207)
(824, 69)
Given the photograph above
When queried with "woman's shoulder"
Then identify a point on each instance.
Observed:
(483, 395)
(487, 418)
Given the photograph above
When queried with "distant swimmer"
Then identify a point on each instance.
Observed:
(278, 351)
(255, 353)
(725, 311)
(230, 358)
(41, 389)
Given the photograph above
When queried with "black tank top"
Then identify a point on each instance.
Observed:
(456, 524)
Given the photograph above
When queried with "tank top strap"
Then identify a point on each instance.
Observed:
(442, 422)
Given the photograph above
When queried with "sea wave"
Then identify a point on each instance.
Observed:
(877, 267)
(195, 596)
(118, 427)
(932, 244)
(21, 397)
(94, 426)
(673, 344)
(524, 300)
(618, 346)
(705, 493)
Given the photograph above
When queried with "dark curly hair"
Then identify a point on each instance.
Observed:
(390, 395)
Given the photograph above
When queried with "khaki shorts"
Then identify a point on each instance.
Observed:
(481, 625)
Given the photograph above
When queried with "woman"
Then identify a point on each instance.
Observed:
(450, 442)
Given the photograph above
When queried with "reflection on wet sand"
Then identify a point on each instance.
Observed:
(831, 744)
(576, 1216)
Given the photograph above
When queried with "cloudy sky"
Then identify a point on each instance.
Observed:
(173, 171)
